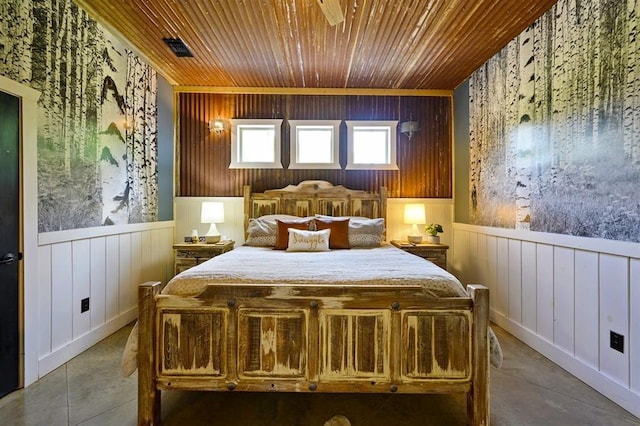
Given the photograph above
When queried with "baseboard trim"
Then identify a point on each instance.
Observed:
(625, 397)
(61, 355)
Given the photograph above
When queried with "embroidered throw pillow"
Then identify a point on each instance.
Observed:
(300, 240)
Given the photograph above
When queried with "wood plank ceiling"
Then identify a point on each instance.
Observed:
(382, 44)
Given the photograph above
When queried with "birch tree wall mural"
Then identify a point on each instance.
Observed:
(555, 125)
(97, 129)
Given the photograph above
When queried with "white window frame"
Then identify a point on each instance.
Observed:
(237, 125)
(334, 125)
(390, 127)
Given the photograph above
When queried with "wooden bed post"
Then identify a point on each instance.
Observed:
(383, 208)
(478, 396)
(246, 193)
(148, 394)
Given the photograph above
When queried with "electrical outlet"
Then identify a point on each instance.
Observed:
(84, 305)
(616, 341)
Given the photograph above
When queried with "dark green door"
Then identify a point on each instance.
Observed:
(9, 241)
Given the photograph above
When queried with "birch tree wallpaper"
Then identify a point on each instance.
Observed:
(97, 137)
(555, 125)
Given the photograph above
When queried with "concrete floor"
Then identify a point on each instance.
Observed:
(88, 390)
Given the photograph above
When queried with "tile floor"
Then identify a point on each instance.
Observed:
(88, 390)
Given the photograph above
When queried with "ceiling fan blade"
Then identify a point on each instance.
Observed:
(332, 11)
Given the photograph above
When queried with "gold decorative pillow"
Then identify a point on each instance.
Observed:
(282, 236)
(339, 231)
(300, 240)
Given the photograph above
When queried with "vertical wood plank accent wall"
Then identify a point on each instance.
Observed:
(425, 161)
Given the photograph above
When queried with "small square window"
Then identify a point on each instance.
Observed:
(371, 145)
(314, 144)
(255, 144)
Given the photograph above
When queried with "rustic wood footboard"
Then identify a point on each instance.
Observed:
(313, 338)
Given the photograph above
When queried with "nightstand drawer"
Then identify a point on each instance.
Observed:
(436, 253)
(189, 255)
(439, 257)
(184, 263)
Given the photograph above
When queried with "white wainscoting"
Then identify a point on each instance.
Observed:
(105, 264)
(562, 295)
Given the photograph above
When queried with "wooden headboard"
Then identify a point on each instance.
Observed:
(314, 197)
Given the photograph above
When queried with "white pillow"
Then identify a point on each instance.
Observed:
(262, 231)
(354, 218)
(301, 240)
(366, 232)
(363, 232)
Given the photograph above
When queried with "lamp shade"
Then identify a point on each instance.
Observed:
(414, 214)
(212, 212)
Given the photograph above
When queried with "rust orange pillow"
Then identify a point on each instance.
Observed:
(282, 235)
(339, 237)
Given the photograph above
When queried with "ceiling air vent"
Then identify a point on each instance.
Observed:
(178, 47)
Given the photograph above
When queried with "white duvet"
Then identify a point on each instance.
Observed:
(263, 265)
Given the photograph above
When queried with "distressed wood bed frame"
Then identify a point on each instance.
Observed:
(313, 338)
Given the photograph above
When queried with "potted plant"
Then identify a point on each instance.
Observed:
(433, 229)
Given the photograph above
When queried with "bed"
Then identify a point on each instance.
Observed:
(363, 320)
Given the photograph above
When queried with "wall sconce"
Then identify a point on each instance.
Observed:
(408, 128)
(414, 215)
(216, 126)
(212, 212)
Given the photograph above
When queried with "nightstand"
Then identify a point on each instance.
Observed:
(436, 253)
(188, 254)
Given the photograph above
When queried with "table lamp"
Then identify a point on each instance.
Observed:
(414, 215)
(212, 212)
